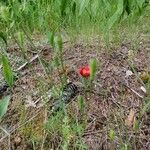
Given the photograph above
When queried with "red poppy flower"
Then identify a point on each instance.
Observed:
(84, 71)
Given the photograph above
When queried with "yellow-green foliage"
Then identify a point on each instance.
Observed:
(58, 14)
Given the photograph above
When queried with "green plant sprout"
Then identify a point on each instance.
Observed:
(4, 105)
(7, 71)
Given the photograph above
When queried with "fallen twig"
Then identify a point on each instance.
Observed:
(116, 103)
(136, 93)
(26, 63)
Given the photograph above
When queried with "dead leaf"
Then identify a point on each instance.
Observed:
(130, 119)
(17, 140)
(145, 76)
(29, 102)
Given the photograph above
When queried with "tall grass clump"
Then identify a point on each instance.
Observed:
(57, 15)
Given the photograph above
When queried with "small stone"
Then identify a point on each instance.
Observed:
(143, 89)
(17, 140)
(129, 73)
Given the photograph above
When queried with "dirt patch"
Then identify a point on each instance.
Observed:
(115, 94)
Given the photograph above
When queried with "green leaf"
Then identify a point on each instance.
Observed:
(20, 41)
(12, 24)
(63, 7)
(7, 72)
(95, 7)
(58, 43)
(56, 61)
(4, 105)
(4, 11)
(146, 107)
(93, 65)
(50, 37)
(74, 8)
(116, 15)
(106, 5)
(20, 38)
(140, 3)
(111, 134)
(81, 103)
(136, 125)
(83, 5)
(3, 36)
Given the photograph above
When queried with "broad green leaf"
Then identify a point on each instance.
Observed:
(93, 66)
(7, 72)
(140, 3)
(95, 7)
(127, 6)
(4, 13)
(83, 5)
(4, 105)
(106, 4)
(74, 8)
(116, 15)
(63, 6)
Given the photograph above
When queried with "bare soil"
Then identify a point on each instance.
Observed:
(108, 107)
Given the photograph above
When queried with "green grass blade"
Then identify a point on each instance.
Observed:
(50, 37)
(3, 37)
(83, 5)
(140, 3)
(58, 43)
(93, 65)
(4, 105)
(7, 72)
(63, 7)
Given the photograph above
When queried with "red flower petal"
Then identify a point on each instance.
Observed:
(84, 71)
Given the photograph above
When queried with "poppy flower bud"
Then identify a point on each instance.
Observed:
(84, 71)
